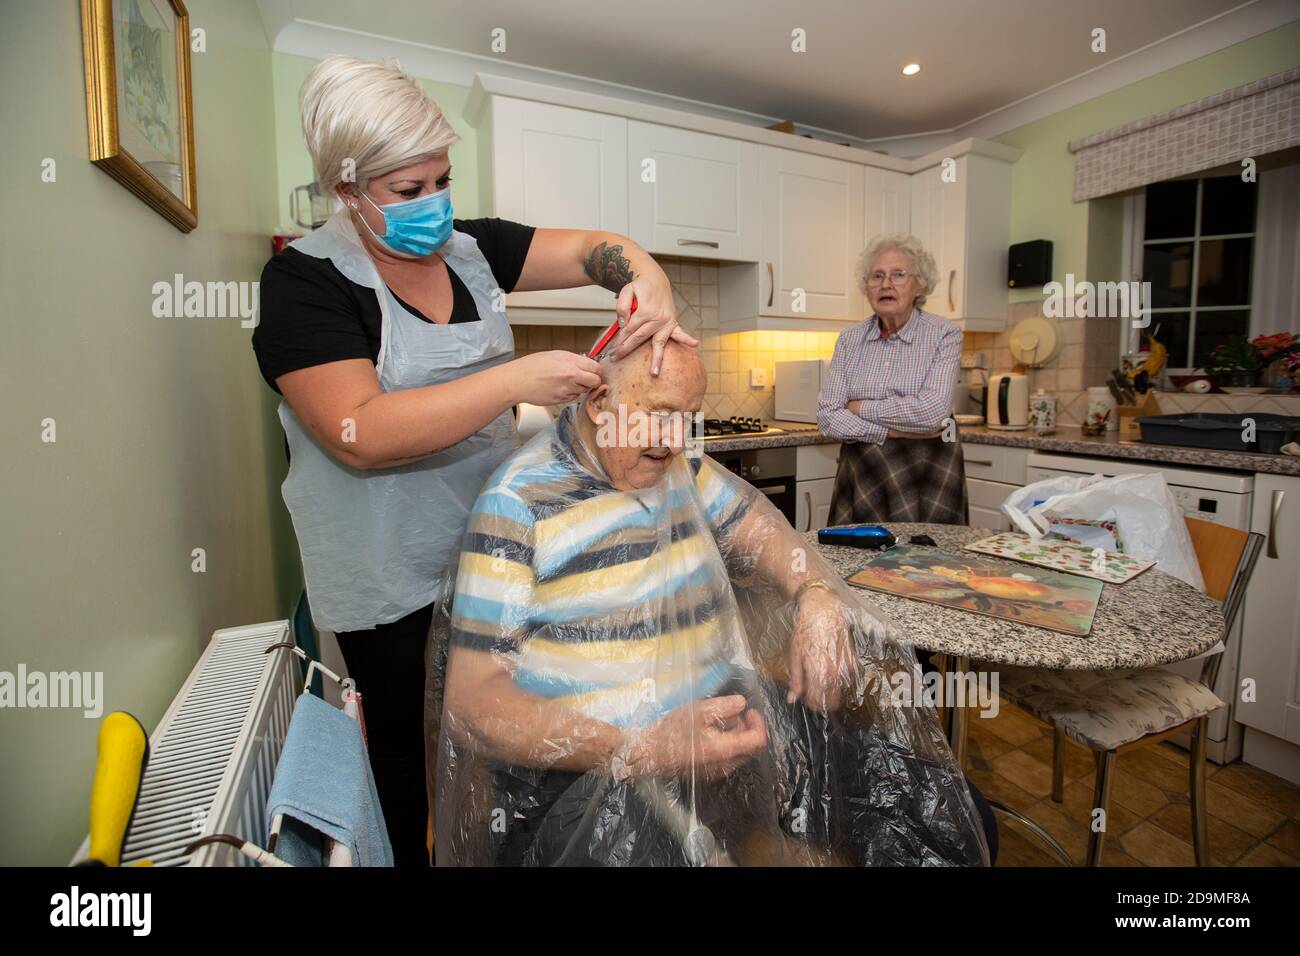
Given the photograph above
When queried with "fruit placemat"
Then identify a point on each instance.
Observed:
(1037, 596)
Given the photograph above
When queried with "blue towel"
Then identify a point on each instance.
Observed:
(323, 785)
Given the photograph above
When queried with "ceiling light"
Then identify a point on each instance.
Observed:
(912, 69)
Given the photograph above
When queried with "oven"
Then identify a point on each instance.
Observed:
(769, 470)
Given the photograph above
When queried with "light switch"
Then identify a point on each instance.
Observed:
(757, 377)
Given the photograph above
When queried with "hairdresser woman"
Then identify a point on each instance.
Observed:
(385, 333)
(888, 394)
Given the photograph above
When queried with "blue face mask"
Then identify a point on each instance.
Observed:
(416, 227)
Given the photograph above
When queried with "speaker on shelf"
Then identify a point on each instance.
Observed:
(1029, 263)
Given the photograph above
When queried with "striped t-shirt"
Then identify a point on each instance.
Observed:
(616, 602)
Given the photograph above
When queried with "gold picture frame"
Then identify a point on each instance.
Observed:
(138, 101)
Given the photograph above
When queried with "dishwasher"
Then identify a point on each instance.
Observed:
(1223, 497)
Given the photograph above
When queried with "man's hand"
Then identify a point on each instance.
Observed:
(822, 660)
(715, 736)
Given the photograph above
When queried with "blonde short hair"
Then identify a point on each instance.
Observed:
(923, 267)
(374, 116)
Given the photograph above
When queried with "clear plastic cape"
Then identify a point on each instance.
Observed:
(608, 649)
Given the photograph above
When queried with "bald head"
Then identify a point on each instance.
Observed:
(679, 386)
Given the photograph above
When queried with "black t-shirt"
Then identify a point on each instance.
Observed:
(310, 313)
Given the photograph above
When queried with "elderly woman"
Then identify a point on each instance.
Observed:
(889, 393)
(384, 333)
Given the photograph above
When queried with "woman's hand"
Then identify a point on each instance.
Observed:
(822, 661)
(567, 258)
(554, 378)
(894, 433)
(655, 317)
(714, 736)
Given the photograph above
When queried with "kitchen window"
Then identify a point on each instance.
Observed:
(1196, 248)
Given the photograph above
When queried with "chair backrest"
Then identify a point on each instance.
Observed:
(1218, 552)
(1227, 558)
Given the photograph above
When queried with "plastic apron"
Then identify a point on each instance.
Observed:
(580, 640)
(378, 544)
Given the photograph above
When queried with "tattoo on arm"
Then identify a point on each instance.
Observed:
(608, 267)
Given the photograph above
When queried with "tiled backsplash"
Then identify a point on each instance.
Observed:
(727, 358)
(1089, 350)
(1088, 353)
(1172, 403)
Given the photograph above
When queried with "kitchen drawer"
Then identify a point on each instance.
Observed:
(816, 461)
(995, 462)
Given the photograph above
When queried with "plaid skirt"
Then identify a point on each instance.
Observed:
(903, 479)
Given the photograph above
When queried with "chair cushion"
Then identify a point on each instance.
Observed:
(1103, 710)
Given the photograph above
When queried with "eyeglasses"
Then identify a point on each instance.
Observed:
(896, 276)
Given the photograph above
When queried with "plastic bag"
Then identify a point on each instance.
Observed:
(617, 686)
(1131, 514)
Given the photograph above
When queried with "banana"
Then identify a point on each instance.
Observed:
(1157, 355)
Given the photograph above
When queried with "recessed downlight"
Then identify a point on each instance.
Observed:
(912, 69)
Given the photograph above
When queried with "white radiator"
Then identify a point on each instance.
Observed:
(213, 755)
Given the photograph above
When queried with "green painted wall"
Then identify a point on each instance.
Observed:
(293, 164)
(166, 437)
(1085, 239)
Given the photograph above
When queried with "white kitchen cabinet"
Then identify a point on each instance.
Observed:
(961, 211)
(984, 501)
(559, 168)
(813, 504)
(812, 213)
(1270, 644)
(888, 202)
(992, 473)
(815, 467)
(692, 194)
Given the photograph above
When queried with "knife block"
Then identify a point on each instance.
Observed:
(1129, 429)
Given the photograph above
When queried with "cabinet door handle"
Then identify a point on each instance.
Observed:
(771, 284)
(1272, 522)
(711, 243)
(952, 307)
(980, 461)
(807, 497)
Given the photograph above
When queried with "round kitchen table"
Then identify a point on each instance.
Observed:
(1151, 619)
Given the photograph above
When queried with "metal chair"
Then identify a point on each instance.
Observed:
(1114, 712)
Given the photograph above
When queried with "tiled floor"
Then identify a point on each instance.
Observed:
(1254, 816)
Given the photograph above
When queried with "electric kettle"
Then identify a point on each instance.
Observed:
(1006, 401)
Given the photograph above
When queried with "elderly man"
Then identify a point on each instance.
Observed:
(648, 667)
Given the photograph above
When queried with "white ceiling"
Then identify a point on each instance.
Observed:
(977, 56)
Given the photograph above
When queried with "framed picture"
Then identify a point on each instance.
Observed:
(138, 106)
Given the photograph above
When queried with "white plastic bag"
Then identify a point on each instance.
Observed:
(1131, 514)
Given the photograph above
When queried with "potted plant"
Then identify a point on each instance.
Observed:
(1239, 362)
(1279, 353)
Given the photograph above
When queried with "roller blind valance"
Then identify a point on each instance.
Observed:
(1247, 121)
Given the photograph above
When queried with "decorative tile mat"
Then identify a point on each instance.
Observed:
(1109, 566)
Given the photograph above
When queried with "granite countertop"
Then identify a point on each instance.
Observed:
(1152, 619)
(796, 433)
(1071, 440)
(1067, 440)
